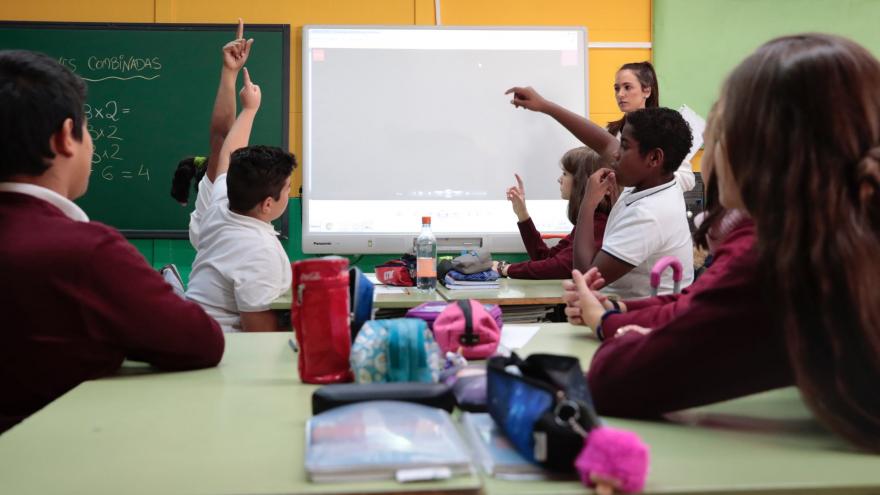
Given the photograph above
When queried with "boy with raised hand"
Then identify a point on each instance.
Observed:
(240, 265)
(76, 297)
(235, 55)
(649, 220)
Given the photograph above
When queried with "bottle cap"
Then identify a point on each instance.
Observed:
(426, 220)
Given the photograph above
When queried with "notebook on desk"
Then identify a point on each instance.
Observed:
(494, 453)
(379, 440)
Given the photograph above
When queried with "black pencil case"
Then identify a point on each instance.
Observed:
(436, 395)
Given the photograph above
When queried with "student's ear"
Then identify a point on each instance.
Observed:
(655, 158)
(62, 142)
(266, 205)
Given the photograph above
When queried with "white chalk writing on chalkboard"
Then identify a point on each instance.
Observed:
(122, 64)
(112, 172)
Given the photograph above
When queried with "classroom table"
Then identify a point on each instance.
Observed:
(239, 428)
(395, 297)
(511, 292)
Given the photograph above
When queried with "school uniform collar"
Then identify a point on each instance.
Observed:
(249, 221)
(68, 207)
(632, 198)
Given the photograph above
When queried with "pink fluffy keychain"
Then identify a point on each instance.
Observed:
(612, 460)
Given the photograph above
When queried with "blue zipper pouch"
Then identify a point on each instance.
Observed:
(543, 406)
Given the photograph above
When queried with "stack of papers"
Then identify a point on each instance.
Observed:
(527, 313)
(453, 284)
(487, 279)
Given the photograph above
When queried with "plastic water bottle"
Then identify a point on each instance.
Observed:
(426, 258)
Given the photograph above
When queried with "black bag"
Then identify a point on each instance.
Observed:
(543, 406)
(436, 395)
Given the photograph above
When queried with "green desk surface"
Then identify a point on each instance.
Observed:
(239, 428)
(512, 292)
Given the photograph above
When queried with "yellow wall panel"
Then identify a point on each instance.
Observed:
(78, 11)
(296, 147)
(424, 13)
(606, 20)
(697, 161)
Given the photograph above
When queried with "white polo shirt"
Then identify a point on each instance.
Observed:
(240, 265)
(643, 227)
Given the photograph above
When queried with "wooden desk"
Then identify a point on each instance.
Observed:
(512, 292)
(239, 428)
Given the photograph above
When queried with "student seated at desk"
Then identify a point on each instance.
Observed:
(240, 265)
(77, 298)
(555, 263)
(730, 236)
(648, 221)
(809, 176)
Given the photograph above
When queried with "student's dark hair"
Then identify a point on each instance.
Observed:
(256, 173)
(713, 212)
(662, 128)
(581, 163)
(801, 130)
(647, 77)
(187, 176)
(37, 94)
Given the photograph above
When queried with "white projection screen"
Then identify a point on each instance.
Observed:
(401, 122)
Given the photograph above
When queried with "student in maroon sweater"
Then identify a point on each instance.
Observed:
(76, 298)
(556, 262)
(808, 173)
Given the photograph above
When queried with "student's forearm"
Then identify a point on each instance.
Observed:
(238, 137)
(595, 137)
(584, 242)
(261, 321)
(222, 117)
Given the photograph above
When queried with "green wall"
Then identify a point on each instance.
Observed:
(698, 42)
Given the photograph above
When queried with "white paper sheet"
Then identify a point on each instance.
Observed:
(516, 336)
(698, 125)
(390, 289)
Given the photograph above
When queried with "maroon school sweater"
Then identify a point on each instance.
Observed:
(547, 262)
(714, 342)
(76, 300)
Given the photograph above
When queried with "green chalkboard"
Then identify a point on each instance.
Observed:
(698, 42)
(151, 92)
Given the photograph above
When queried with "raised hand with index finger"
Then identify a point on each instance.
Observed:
(517, 197)
(250, 93)
(235, 53)
(527, 97)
